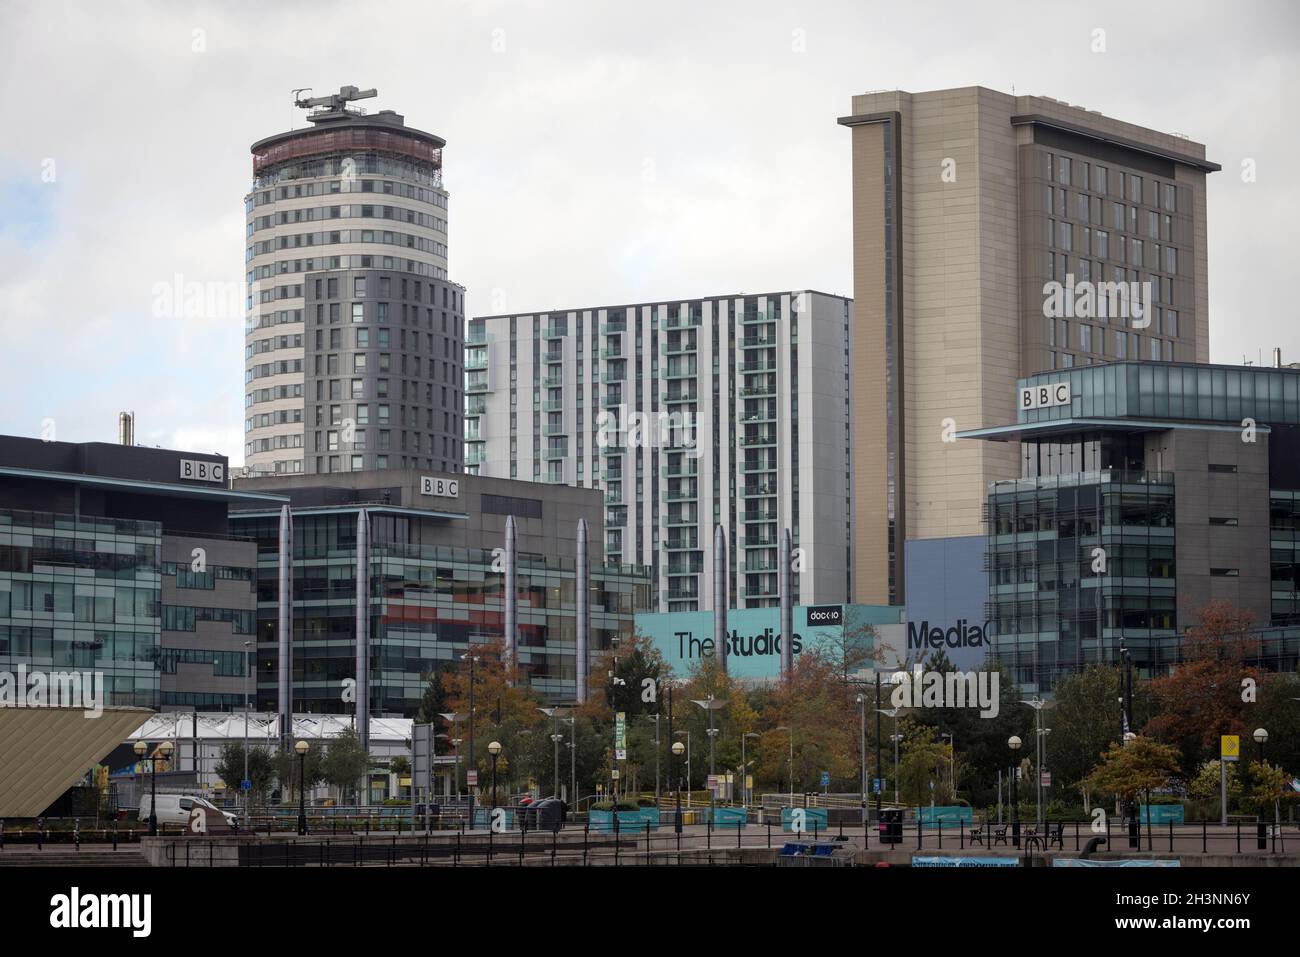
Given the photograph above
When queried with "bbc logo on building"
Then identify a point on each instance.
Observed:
(196, 470)
(1045, 396)
(446, 488)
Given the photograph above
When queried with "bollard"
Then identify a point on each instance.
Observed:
(1204, 837)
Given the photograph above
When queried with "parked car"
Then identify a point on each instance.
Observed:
(175, 808)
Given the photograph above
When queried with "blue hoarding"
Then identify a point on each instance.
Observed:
(947, 592)
(685, 639)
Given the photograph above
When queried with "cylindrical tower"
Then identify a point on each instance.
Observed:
(354, 338)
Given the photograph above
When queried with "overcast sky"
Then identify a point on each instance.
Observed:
(596, 153)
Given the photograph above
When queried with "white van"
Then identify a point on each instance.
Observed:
(175, 808)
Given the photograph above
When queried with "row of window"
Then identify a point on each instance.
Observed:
(186, 618)
(1082, 174)
(327, 167)
(340, 237)
(307, 214)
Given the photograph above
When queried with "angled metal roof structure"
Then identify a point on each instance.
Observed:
(44, 751)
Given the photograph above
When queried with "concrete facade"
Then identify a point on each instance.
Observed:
(951, 256)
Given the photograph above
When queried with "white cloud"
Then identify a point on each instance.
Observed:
(596, 153)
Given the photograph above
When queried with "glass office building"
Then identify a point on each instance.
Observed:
(82, 595)
(1148, 491)
(436, 585)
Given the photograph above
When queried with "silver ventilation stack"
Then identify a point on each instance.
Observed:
(511, 597)
(582, 586)
(787, 607)
(126, 428)
(720, 596)
(363, 629)
(284, 626)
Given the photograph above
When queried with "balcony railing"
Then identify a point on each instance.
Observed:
(1109, 476)
(550, 455)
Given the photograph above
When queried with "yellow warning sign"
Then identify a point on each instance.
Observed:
(1229, 747)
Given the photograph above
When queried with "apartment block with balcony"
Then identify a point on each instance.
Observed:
(686, 414)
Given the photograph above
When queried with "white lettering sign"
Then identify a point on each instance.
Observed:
(1045, 396)
(196, 470)
(447, 488)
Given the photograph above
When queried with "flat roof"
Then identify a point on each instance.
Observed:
(1006, 433)
(166, 489)
(349, 508)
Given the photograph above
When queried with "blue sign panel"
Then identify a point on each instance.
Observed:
(947, 590)
(934, 861)
(685, 639)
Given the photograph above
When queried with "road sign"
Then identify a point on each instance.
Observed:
(245, 785)
(471, 778)
(826, 779)
(614, 774)
(877, 785)
(1229, 747)
(620, 731)
(1046, 779)
(620, 754)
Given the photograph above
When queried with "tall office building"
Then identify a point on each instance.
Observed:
(967, 203)
(354, 336)
(689, 414)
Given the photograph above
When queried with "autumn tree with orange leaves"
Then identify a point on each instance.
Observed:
(1201, 698)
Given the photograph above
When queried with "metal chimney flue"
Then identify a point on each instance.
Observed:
(126, 428)
(1277, 357)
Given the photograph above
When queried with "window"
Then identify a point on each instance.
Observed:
(359, 286)
(1167, 196)
(1223, 467)
(1063, 170)
(1085, 337)
(358, 312)
(1225, 572)
(363, 338)
(1099, 179)
(1222, 520)
(1134, 188)
(1171, 260)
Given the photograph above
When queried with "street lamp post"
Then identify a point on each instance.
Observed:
(1040, 752)
(862, 737)
(248, 794)
(472, 659)
(893, 713)
(1261, 738)
(677, 750)
(1013, 743)
(301, 748)
(687, 735)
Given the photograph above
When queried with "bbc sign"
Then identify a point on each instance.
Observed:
(1045, 396)
(196, 470)
(446, 488)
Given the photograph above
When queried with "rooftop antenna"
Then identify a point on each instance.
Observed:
(335, 105)
(301, 89)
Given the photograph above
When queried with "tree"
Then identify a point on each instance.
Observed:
(1136, 768)
(820, 713)
(926, 762)
(505, 711)
(286, 768)
(1267, 785)
(433, 702)
(1085, 719)
(1202, 698)
(261, 767)
(399, 766)
(1205, 788)
(345, 763)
